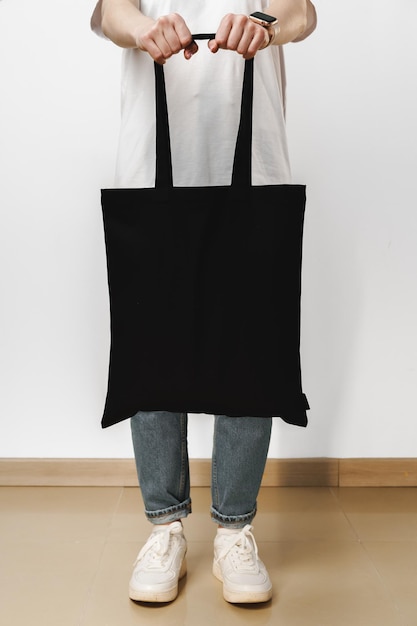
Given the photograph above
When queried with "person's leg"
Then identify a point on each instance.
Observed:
(240, 451)
(161, 455)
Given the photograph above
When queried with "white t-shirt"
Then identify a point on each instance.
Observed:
(203, 95)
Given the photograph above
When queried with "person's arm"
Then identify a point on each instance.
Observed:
(121, 22)
(297, 19)
(311, 22)
(128, 27)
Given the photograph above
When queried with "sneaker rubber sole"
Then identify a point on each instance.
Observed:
(244, 596)
(158, 595)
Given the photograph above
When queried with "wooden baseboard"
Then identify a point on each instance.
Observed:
(315, 472)
(378, 472)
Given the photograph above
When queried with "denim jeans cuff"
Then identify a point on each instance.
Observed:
(170, 514)
(232, 521)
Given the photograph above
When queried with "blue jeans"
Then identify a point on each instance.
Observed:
(240, 449)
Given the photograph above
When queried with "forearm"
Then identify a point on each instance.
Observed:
(121, 21)
(296, 19)
(124, 24)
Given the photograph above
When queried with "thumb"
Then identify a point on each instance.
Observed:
(190, 50)
(213, 46)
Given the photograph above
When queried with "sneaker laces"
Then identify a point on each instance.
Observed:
(157, 548)
(243, 549)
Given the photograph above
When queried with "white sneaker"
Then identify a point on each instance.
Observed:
(159, 565)
(237, 565)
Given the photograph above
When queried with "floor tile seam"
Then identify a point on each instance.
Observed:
(383, 581)
(88, 594)
(53, 542)
(333, 491)
(308, 540)
(133, 542)
(261, 542)
(114, 512)
(85, 604)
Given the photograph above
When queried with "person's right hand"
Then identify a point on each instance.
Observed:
(164, 37)
(239, 33)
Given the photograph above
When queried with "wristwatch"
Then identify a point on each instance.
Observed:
(268, 22)
(263, 19)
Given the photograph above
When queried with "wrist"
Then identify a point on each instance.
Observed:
(142, 26)
(272, 34)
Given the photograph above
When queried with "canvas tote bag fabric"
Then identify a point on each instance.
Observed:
(204, 290)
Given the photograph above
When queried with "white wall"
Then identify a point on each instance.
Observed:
(352, 97)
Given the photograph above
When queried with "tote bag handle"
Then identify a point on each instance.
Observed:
(242, 164)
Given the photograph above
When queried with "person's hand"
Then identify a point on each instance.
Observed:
(239, 33)
(166, 36)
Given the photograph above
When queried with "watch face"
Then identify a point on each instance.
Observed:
(263, 18)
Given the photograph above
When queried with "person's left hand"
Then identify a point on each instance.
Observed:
(239, 33)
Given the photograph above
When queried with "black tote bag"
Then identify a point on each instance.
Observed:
(204, 289)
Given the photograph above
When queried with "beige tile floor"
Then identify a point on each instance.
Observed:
(336, 557)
